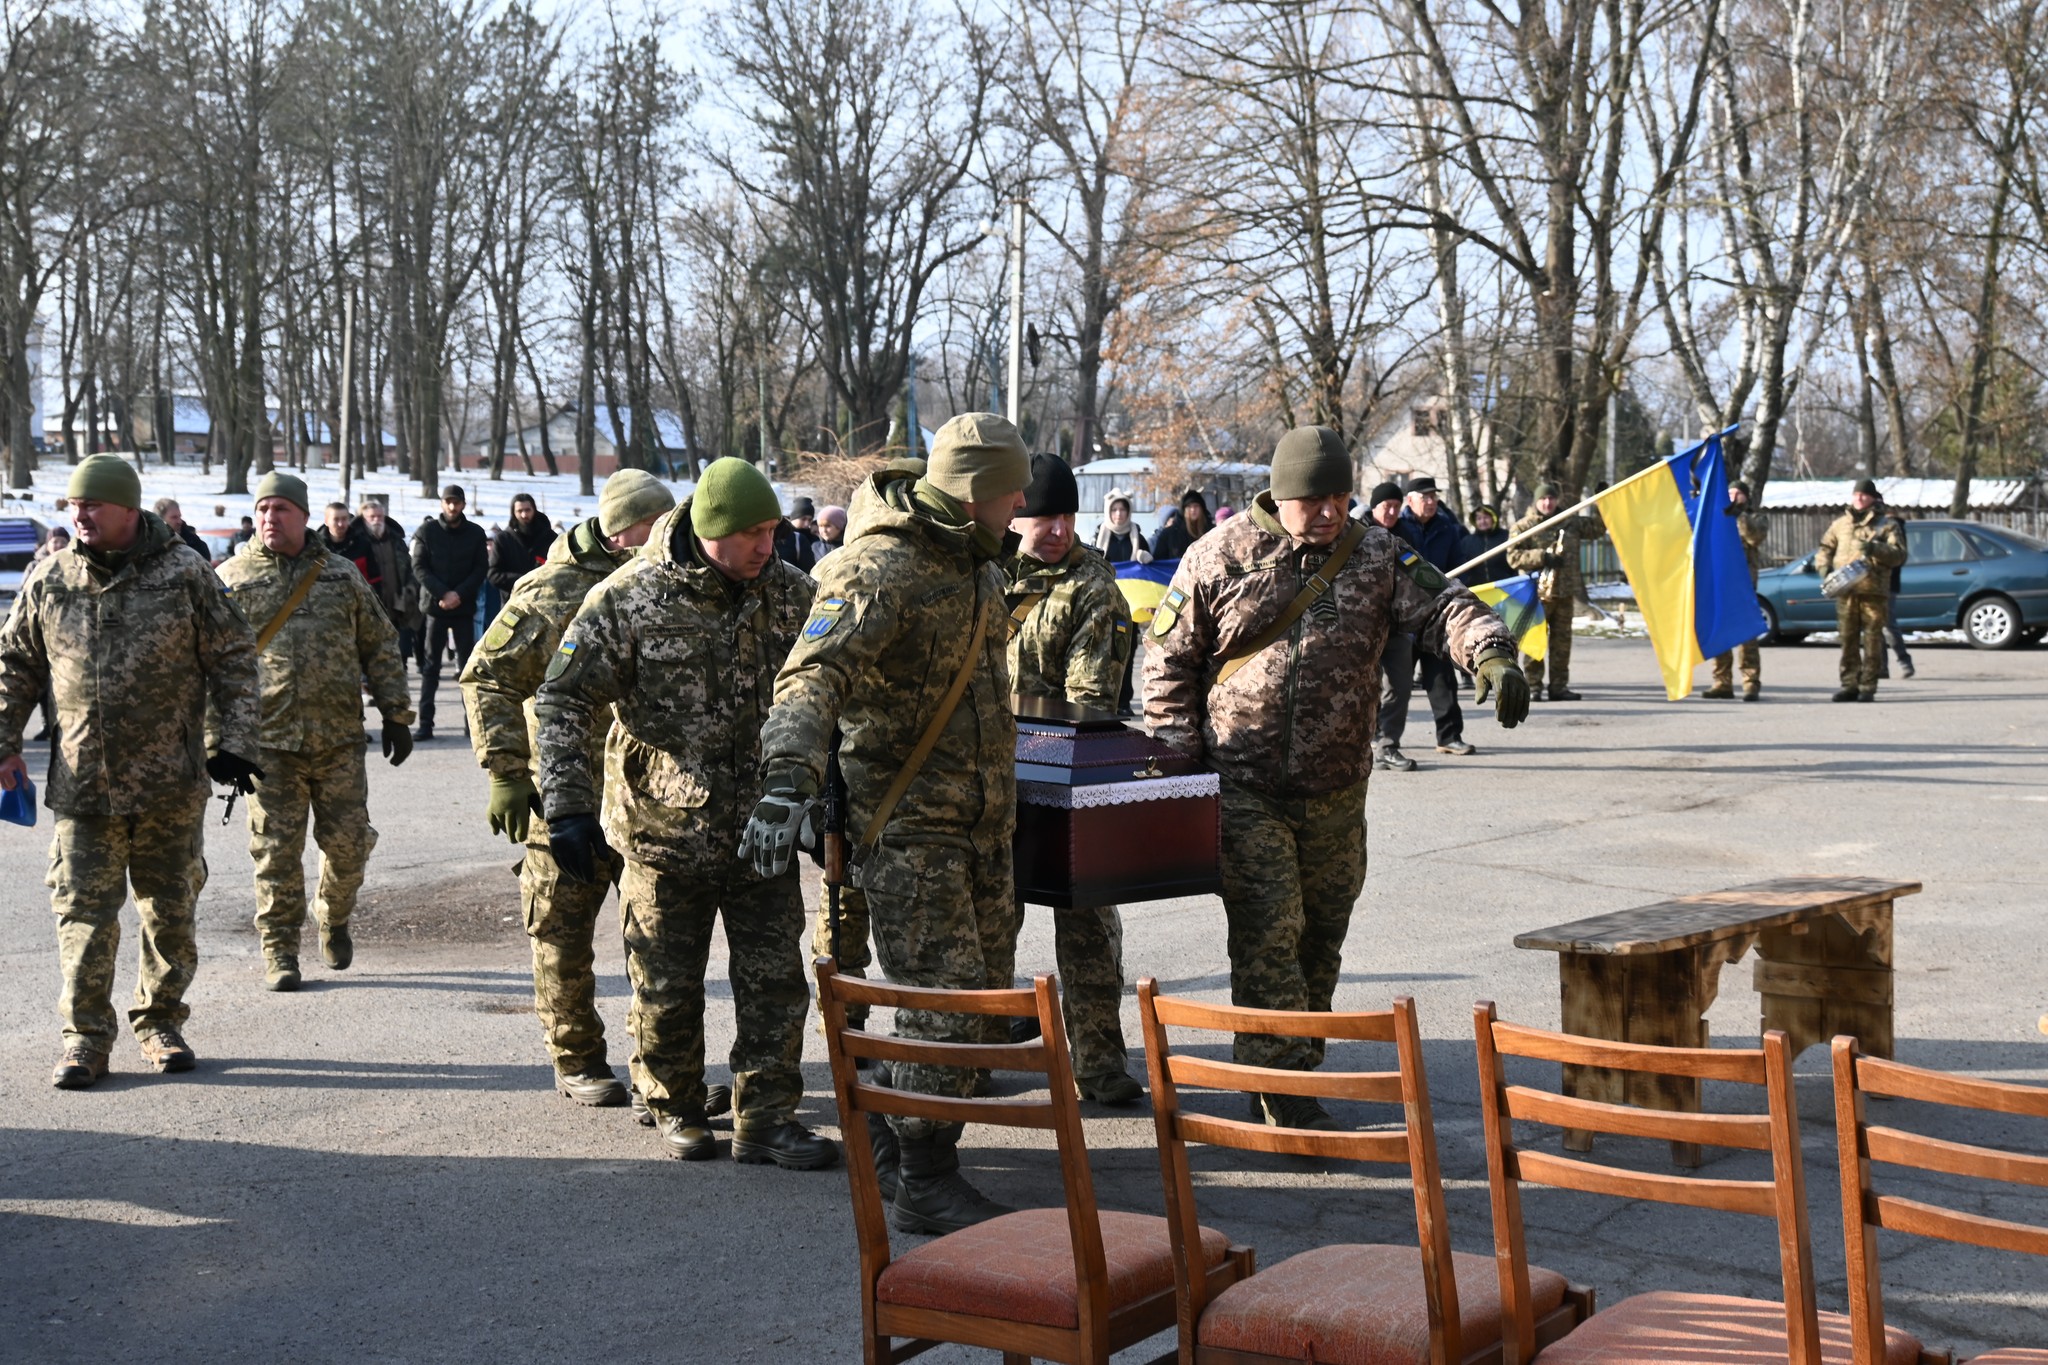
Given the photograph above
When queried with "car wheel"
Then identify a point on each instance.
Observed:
(1992, 623)
(1771, 635)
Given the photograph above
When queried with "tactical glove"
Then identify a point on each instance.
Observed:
(577, 841)
(232, 770)
(780, 822)
(397, 743)
(1503, 681)
(514, 803)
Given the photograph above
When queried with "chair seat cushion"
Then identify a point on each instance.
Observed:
(1020, 1267)
(2013, 1356)
(1359, 1305)
(1705, 1329)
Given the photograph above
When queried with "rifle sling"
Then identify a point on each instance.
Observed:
(1318, 584)
(930, 738)
(291, 604)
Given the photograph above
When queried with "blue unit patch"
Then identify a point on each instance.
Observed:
(825, 616)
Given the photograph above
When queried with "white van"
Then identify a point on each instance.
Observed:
(1225, 483)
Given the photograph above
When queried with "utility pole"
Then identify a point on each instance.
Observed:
(761, 397)
(1016, 392)
(348, 389)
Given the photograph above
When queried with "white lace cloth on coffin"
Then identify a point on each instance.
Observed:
(1118, 793)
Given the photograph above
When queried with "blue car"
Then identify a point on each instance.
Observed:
(1987, 581)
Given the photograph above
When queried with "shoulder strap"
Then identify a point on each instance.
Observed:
(927, 741)
(1021, 613)
(291, 604)
(1317, 585)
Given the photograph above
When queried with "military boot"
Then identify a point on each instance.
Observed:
(337, 949)
(882, 1138)
(1564, 694)
(165, 1050)
(78, 1068)
(1720, 692)
(1750, 693)
(1294, 1111)
(1113, 1088)
(1844, 694)
(596, 1087)
(686, 1138)
(1389, 758)
(787, 1144)
(931, 1194)
(280, 972)
(642, 1115)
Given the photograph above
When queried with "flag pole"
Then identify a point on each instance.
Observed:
(1540, 527)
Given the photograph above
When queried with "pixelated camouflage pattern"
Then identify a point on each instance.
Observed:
(334, 786)
(1873, 534)
(1297, 718)
(1292, 870)
(147, 664)
(1754, 528)
(1088, 947)
(1553, 559)
(1554, 669)
(1076, 642)
(686, 661)
(854, 953)
(561, 920)
(313, 670)
(1860, 616)
(94, 858)
(669, 923)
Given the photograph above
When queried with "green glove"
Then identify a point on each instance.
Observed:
(514, 803)
(1503, 681)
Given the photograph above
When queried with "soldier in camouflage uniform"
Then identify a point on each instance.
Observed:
(313, 669)
(1754, 529)
(1289, 730)
(1554, 561)
(1072, 642)
(150, 667)
(1865, 532)
(680, 647)
(913, 598)
(498, 688)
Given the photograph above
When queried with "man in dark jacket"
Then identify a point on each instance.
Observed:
(1436, 536)
(451, 555)
(390, 573)
(796, 539)
(522, 547)
(1194, 523)
(341, 535)
(167, 508)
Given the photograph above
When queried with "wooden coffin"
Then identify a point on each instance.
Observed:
(1107, 815)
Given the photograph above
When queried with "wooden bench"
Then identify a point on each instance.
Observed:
(1649, 975)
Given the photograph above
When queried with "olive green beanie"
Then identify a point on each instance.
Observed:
(630, 497)
(731, 496)
(1546, 489)
(290, 487)
(978, 456)
(1310, 462)
(106, 478)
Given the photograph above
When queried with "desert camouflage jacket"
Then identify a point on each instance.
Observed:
(1873, 534)
(1073, 629)
(685, 660)
(1297, 718)
(313, 669)
(147, 663)
(1552, 559)
(897, 606)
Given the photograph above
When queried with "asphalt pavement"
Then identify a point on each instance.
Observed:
(377, 1169)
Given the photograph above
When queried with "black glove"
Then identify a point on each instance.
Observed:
(232, 770)
(577, 841)
(397, 743)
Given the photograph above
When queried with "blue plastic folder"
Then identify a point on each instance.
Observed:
(18, 807)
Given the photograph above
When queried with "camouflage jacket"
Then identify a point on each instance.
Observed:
(685, 660)
(1553, 559)
(506, 668)
(147, 663)
(897, 605)
(313, 669)
(1297, 718)
(1075, 638)
(1873, 534)
(1755, 529)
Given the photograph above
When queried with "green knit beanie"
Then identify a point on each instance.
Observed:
(630, 497)
(731, 496)
(1310, 462)
(978, 456)
(290, 487)
(106, 478)
(1546, 489)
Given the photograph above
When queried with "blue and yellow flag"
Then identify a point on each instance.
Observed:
(1515, 601)
(1685, 561)
(1144, 584)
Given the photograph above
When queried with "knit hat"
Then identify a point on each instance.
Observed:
(290, 487)
(630, 497)
(1384, 492)
(803, 507)
(978, 456)
(1310, 462)
(1052, 491)
(832, 516)
(1546, 489)
(1741, 485)
(106, 478)
(732, 496)
(1867, 486)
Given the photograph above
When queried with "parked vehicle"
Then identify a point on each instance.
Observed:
(19, 537)
(1989, 582)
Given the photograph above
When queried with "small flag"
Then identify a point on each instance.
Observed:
(1144, 584)
(1514, 600)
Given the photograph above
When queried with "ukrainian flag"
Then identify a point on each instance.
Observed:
(1684, 560)
(1515, 601)
(1144, 584)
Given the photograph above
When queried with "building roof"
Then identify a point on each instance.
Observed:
(1930, 495)
(668, 428)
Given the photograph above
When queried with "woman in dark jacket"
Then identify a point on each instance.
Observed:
(1194, 523)
(1485, 538)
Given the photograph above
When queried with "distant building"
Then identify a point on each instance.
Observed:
(1413, 439)
(561, 434)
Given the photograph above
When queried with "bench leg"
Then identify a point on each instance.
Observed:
(1834, 978)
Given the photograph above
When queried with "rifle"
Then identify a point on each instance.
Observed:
(833, 842)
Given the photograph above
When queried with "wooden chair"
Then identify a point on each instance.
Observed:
(1067, 1284)
(1382, 1304)
(1864, 1210)
(1662, 1328)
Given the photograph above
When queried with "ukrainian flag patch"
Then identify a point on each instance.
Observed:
(826, 615)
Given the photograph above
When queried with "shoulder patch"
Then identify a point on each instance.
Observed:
(1420, 571)
(500, 633)
(826, 614)
(1168, 611)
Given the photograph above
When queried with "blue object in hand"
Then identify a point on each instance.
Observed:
(18, 807)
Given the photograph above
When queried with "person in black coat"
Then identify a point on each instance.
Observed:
(451, 555)
(522, 547)
(1195, 522)
(167, 508)
(1485, 538)
(796, 536)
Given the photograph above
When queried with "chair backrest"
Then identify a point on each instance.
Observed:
(1407, 1086)
(1863, 1145)
(1058, 1113)
(1509, 1164)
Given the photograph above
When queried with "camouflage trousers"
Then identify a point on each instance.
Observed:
(1292, 869)
(1557, 654)
(944, 913)
(669, 918)
(1752, 668)
(94, 859)
(335, 787)
(561, 919)
(1088, 945)
(854, 954)
(1861, 617)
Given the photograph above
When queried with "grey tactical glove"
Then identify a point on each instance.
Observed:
(782, 821)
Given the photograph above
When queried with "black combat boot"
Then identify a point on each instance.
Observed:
(596, 1087)
(882, 1138)
(1114, 1088)
(1845, 694)
(1719, 692)
(686, 1138)
(931, 1194)
(788, 1144)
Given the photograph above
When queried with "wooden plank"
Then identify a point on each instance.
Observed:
(1690, 921)
(1903, 1082)
(1382, 1087)
(1849, 985)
